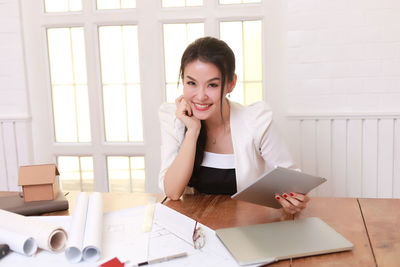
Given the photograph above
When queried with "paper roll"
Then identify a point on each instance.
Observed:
(86, 229)
(21, 244)
(94, 228)
(73, 252)
(47, 235)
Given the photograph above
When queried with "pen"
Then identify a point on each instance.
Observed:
(4, 249)
(161, 259)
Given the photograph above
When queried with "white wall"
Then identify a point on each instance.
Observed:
(15, 137)
(343, 93)
(13, 91)
(343, 55)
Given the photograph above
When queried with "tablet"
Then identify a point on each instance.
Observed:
(277, 181)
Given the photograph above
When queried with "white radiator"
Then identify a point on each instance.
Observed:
(15, 151)
(358, 154)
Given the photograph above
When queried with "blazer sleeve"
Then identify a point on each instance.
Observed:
(267, 140)
(172, 134)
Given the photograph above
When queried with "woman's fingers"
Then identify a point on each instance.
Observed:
(183, 108)
(292, 203)
(287, 207)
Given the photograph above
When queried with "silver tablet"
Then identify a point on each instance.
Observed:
(277, 181)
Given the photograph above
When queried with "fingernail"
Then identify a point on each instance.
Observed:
(291, 194)
(285, 195)
(277, 197)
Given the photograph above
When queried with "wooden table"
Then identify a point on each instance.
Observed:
(376, 241)
(372, 225)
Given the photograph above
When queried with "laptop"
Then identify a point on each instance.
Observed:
(277, 181)
(270, 242)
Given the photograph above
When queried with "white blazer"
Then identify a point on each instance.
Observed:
(256, 144)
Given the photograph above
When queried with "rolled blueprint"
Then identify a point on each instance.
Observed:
(48, 236)
(85, 233)
(94, 228)
(73, 252)
(19, 243)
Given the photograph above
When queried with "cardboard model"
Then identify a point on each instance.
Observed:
(39, 182)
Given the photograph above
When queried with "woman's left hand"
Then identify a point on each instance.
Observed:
(292, 203)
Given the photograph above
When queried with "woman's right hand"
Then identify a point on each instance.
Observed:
(185, 114)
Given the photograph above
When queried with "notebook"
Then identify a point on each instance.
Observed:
(15, 203)
(270, 242)
(277, 181)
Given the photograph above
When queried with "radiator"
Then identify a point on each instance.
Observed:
(358, 154)
(15, 151)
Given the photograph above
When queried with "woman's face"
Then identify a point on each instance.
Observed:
(202, 89)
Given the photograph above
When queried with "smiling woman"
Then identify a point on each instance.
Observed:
(210, 143)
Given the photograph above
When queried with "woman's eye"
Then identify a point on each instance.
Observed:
(190, 83)
(213, 85)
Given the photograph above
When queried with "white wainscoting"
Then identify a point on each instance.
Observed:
(15, 150)
(359, 154)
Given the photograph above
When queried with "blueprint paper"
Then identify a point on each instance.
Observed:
(85, 231)
(123, 238)
(93, 228)
(76, 232)
(17, 242)
(48, 236)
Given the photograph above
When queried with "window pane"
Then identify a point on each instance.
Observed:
(115, 114)
(245, 39)
(228, 2)
(252, 51)
(76, 173)
(181, 3)
(176, 38)
(116, 4)
(119, 56)
(62, 5)
(126, 174)
(67, 60)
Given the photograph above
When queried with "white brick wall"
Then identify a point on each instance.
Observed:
(13, 91)
(343, 55)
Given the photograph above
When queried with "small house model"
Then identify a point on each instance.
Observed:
(39, 182)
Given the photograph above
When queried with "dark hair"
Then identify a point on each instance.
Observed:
(217, 52)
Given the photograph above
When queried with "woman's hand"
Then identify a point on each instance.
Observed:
(292, 203)
(185, 114)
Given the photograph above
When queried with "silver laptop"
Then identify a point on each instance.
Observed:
(277, 181)
(270, 242)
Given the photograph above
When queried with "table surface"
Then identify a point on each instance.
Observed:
(370, 224)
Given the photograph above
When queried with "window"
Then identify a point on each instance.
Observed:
(229, 2)
(125, 174)
(66, 51)
(62, 5)
(246, 43)
(115, 4)
(121, 83)
(176, 39)
(111, 63)
(181, 3)
(76, 173)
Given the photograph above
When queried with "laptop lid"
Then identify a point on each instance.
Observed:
(264, 243)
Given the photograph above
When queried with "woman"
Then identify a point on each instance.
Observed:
(212, 144)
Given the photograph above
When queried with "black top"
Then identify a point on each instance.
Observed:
(214, 180)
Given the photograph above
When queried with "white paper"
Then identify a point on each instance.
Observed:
(122, 237)
(47, 235)
(76, 232)
(93, 228)
(86, 228)
(22, 244)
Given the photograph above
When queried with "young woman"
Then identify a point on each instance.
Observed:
(212, 144)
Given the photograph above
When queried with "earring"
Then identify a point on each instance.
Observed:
(229, 95)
